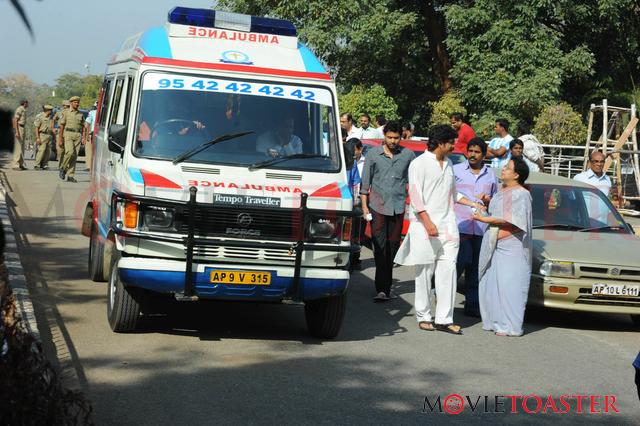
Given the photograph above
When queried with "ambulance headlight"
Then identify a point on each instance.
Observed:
(158, 218)
(322, 229)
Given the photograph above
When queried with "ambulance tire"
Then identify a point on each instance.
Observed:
(96, 256)
(123, 302)
(324, 316)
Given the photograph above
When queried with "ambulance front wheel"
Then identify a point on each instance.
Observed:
(123, 302)
(324, 316)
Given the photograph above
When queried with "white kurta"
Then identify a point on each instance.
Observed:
(431, 189)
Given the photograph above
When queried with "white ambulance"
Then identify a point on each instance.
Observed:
(219, 171)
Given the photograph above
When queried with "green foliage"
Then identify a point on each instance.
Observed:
(441, 109)
(559, 124)
(14, 88)
(506, 56)
(363, 43)
(372, 100)
(505, 60)
(484, 125)
(74, 84)
(611, 31)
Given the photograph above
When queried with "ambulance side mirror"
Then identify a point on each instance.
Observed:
(117, 138)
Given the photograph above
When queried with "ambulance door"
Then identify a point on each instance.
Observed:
(102, 151)
(119, 114)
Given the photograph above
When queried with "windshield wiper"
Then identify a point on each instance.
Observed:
(559, 225)
(186, 155)
(276, 160)
(602, 228)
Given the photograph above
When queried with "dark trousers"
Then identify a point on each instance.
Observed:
(468, 259)
(385, 236)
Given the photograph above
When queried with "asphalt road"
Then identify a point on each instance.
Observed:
(220, 363)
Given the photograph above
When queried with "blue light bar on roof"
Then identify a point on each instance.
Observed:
(231, 21)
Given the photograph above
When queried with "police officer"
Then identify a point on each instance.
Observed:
(19, 120)
(72, 135)
(56, 130)
(44, 135)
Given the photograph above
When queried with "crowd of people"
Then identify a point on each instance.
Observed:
(462, 220)
(66, 130)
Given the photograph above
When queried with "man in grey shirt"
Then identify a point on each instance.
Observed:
(383, 192)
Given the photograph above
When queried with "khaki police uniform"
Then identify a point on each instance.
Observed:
(44, 137)
(73, 123)
(20, 116)
(56, 119)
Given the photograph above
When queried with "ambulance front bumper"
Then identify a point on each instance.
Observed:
(168, 276)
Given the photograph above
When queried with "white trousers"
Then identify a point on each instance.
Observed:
(444, 269)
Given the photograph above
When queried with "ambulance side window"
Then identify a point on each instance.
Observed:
(108, 86)
(116, 116)
(126, 106)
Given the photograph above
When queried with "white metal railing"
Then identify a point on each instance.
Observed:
(568, 161)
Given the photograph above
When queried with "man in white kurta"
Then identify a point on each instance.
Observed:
(432, 241)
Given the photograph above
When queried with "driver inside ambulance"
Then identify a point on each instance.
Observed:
(280, 141)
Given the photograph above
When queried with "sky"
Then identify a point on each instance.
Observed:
(74, 35)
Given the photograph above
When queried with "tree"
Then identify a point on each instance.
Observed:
(559, 124)
(16, 87)
(74, 84)
(610, 29)
(372, 101)
(506, 59)
(449, 103)
(396, 44)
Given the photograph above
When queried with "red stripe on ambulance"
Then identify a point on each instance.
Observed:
(154, 180)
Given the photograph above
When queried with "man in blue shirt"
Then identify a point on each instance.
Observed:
(498, 147)
(478, 183)
(595, 174)
(88, 147)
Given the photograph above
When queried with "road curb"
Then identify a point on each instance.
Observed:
(17, 279)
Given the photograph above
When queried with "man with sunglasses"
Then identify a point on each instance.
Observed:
(595, 175)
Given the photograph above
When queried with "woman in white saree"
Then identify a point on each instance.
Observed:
(505, 256)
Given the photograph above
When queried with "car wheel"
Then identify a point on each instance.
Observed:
(123, 302)
(636, 320)
(96, 256)
(324, 316)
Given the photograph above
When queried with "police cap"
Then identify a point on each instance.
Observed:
(74, 98)
(47, 106)
(66, 103)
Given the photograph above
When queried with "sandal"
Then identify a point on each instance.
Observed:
(426, 326)
(449, 328)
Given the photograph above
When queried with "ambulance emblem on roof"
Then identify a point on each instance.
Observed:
(235, 57)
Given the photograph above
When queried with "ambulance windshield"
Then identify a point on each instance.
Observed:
(179, 112)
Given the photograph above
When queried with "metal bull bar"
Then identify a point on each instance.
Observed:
(190, 240)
